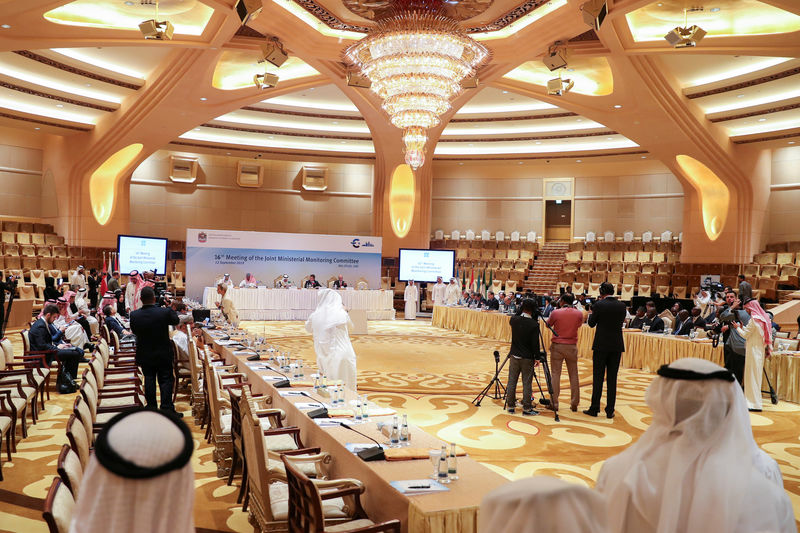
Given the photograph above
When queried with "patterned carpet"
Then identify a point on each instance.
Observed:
(433, 375)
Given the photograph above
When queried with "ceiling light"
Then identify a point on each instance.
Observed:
(578, 161)
(266, 80)
(559, 87)
(416, 60)
(59, 105)
(538, 142)
(38, 128)
(505, 92)
(5, 26)
(715, 10)
(594, 13)
(203, 98)
(354, 79)
(762, 120)
(644, 157)
(273, 52)
(617, 106)
(791, 142)
(686, 36)
(158, 30)
(128, 3)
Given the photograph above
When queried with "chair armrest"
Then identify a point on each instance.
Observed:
(9, 385)
(389, 525)
(118, 370)
(27, 373)
(131, 379)
(30, 358)
(6, 407)
(119, 393)
(117, 408)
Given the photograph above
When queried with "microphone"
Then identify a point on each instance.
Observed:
(320, 412)
(282, 383)
(370, 454)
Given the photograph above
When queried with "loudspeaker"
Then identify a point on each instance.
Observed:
(594, 13)
(248, 9)
(556, 59)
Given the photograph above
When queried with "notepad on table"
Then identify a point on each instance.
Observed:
(414, 487)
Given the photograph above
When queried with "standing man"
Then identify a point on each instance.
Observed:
(745, 289)
(78, 279)
(733, 343)
(133, 291)
(226, 305)
(94, 283)
(411, 296)
(151, 324)
(565, 321)
(113, 283)
(438, 292)
(522, 357)
(608, 314)
(452, 293)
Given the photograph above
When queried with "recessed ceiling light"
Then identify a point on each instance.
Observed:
(343, 142)
(505, 92)
(197, 129)
(739, 96)
(578, 161)
(227, 153)
(617, 106)
(5, 26)
(460, 162)
(471, 144)
(312, 88)
(791, 142)
(644, 157)
(38, 128)
(88, 84)
(570, 69)
(335, 122)
(762, 120)
(538, 142)
(128, 3)
(609, 138)
(519, 163)
(714, 10)
(59, 105)
(203, 98)
(578, 120)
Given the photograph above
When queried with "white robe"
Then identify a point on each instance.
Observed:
(229, 310)
(328, 324)
(753, 363)
(132, 297)
(411, 297)
(74, 334)
(93, 323)
(452, 294)
(438, 295)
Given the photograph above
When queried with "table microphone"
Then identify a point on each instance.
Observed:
(282, 384)
(319, 412)
(370, 454)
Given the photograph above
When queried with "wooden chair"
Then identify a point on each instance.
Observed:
(79, 440)
(645, 290)
(6, 424)
(70, 470)
(306, 504)
(511, 286)
(36, 363)
(58, 507)
(362, 284)
(679, 292)
(594, 290)
(627, 293)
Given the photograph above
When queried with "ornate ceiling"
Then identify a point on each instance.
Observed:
(82, 68)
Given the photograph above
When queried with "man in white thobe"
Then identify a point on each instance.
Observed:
(226, 280)
(83, 308)
(438, 292)
(328, 324)
(452, 293)
(696, 469)
(78, 279)
(411, 298)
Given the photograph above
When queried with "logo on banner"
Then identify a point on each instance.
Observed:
(358, 244)
(202, 237)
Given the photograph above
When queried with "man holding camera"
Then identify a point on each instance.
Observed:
(522, 357)
(733, 342)
(608, 314)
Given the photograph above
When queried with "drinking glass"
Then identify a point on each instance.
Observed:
(434, 457)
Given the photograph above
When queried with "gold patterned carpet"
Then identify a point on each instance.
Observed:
(432, 374)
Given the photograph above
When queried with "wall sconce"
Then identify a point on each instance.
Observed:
(401, 200)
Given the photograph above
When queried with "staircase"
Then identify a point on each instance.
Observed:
(546, 268)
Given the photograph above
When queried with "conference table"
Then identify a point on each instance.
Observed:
(646, 351)
(262, 303)
(453, 511)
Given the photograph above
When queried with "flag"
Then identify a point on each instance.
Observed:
(103, 280)
(463, 278)
(471, 278)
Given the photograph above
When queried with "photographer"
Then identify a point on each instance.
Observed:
(733, 342)
(608, 316)
(10, 285)
(522, 356)
(565, 321)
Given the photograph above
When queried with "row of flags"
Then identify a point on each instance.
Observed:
(480, 281)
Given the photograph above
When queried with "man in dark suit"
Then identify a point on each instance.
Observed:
(114, 324)
(154, 355)
(683, 324)
(43, 336)
(608, 314)
(340, 283)
(312, 283)
(522, 357)
(492, 303)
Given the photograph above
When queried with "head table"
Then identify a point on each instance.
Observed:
(646, 351)
(261, 303)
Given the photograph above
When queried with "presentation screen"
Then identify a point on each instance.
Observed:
(426, 265)
(142, 253)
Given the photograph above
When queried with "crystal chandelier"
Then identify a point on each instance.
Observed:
(416, 60)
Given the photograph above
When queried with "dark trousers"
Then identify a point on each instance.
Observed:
(69, 360)
(515, 367)
(85, 325)
(734, 362)
(161, 372)
(605, 364)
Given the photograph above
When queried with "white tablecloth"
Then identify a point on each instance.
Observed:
(297, 304)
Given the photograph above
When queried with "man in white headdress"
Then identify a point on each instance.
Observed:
(542, 503)
(328, 324)
(225, 280)
(452, 293)
(411, 297)
(758, 345)
(284, 282)
(83, 308)
(438, 292)
(140, 477)
(78, 279)
(696, 469)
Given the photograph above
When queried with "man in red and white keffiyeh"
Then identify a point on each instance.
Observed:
(758, 345)
(133, 291)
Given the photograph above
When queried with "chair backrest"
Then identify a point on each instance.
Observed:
(362, 284)
(26, 292)
(647, 236)
(58, 507)
(78, 439)
(627, 236)
(511, 286)
(470, 235)
(8, 350)
(89, 393)
(438, 235)
(70, 470)
(515, 236)
(193, 366)
(666, 236)
(531, 236)
(485, 235)
(255, 457)
(499, 236)
(305, 505)
(26, 343)
(455, 234)
(81, 410)
(609, 236)
(591, 236)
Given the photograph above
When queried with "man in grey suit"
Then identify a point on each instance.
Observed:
(608, 315)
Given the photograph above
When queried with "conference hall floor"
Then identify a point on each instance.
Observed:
(432, 374)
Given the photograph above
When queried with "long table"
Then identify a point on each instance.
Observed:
(296, 304)
(646, 351)
(453, 511)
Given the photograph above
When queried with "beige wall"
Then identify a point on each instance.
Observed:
(20, 179)
(161, 208)
(636, 195)
(783, 212)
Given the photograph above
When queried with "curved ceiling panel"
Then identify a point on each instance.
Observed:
(592, 75)
(236, 68)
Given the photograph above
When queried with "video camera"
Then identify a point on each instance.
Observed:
(713, 287)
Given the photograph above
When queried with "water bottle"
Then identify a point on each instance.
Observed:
(404, 432)
(324, 382)
(334, 397)
(452, 468)
(443, 466)
(365, 409)
(357, 410)
(316, 382)
(300, 371)
(394, 437)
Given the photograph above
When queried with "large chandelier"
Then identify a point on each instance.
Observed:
(416, 60)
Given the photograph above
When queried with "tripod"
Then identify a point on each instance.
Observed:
(547, 377)
(495, 381)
